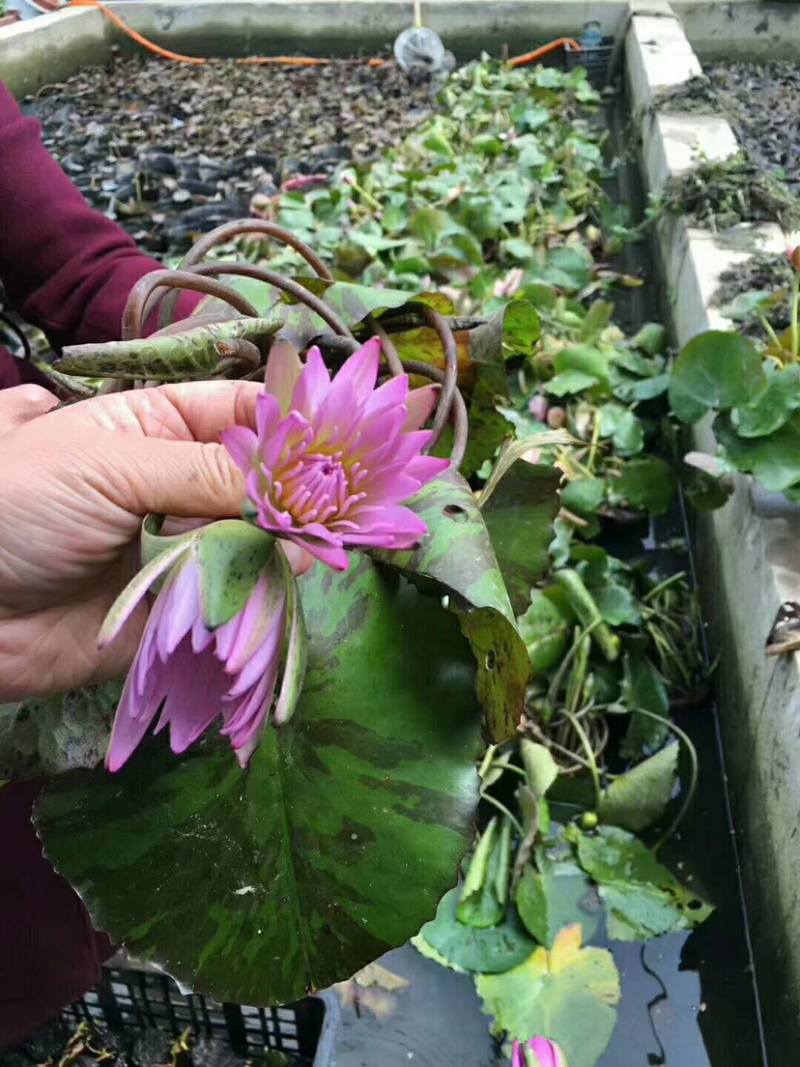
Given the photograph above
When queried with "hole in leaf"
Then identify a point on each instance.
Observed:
(491, 661)
(693, 905)
(455, 512)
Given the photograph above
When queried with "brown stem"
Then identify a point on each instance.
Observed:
(459, 408)
(134, 316)
(449, 384)
(271, 277)
(225, 233)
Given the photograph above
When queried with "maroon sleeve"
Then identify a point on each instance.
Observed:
(67, 269)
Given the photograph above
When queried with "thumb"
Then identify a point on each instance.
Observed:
(190, 479)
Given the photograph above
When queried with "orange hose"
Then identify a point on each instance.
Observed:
(546, 49)
(285, 61)
(292, 61)
(156, 49)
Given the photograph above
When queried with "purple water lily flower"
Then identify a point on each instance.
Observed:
(194, 675)
(539, 1052)
(334, 460)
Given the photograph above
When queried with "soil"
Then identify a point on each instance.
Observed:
(762, 104)
(760, 273)
(172, 150)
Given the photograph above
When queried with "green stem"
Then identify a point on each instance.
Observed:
(595, 441)
(666, 584)
(555, 685)
(771, 333)
(368, 198)
(501, 807)
(590, 756)
(689, 795)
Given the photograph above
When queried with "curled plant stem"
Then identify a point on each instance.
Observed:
(692, 752)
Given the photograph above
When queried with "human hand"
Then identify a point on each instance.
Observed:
(76, 483)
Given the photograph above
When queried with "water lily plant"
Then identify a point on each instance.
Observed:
(330, 467)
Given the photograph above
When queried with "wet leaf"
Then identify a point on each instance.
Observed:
(623, 427)
(646, 484)
(519, 516)
(485, 891)
(568, 992)
(570, 382)
(774, 461)
(583, 496)
(457, 555)
(774, 407)
(643, 688)
(639, 797)
(49, 735)
(715, 371)
(582, 359)
(643, 899)
(545, 631)
(294, 862)
(478, 951)
(554, 896)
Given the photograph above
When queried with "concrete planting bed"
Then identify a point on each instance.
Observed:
(748, 552)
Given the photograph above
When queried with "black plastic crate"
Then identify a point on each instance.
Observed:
(130, 999)
(596, 61)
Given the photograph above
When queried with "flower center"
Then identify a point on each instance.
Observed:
(318, 488)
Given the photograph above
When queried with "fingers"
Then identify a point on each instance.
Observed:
(189, 411)
(23, 403)
(188, 479)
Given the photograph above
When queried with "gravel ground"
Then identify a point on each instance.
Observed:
(172, 150)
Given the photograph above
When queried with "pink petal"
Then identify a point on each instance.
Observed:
(242, 446)
(264, 657)
(180, 609)
(377, 437)
(361, 369)
(386, 527)
(390, 485)
(389, 395)
(268, 416)
(131, 723)
(197, 685)
(283, 371)
(420, 405)
(426, 468)
(328, 552)
(339, 414)
(133, 593)
(312, 386)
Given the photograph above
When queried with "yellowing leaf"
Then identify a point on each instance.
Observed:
(567, 993)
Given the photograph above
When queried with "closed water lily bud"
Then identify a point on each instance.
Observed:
(539, 1052)
(794, 256)
(538, 407)
(557, 418)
